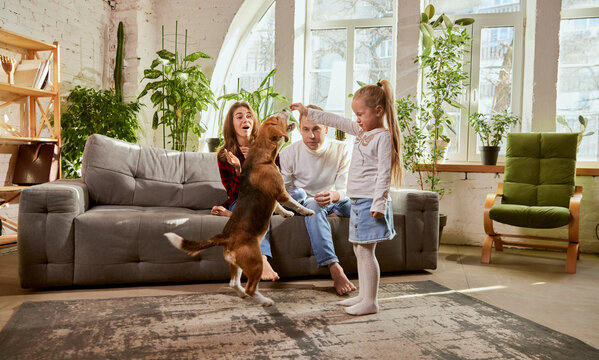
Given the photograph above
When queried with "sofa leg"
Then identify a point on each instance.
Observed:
(497, 243)
(486, 253)
(571, 257)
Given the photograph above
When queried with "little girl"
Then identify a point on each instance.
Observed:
(375, 163)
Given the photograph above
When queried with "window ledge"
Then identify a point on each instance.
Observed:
(478, 168)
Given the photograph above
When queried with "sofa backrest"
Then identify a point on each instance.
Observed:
(120, 173)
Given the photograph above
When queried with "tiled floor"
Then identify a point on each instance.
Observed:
(529, 283)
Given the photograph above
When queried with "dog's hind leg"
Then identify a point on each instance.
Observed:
(235, 282)
(281, 211)
(297, 207)
(251, 288)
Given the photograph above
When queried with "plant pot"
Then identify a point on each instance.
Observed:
(213, 144)
(442, 146)
(442, 223)
(488, 154)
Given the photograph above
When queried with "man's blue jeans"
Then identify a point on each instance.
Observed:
(319, 228)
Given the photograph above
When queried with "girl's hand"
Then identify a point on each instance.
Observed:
(299, 107)
(244, 151)
(376, 214)
(233, 161)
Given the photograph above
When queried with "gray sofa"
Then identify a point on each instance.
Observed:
(106, 228)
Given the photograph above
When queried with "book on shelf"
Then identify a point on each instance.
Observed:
(42, 75)
(32, 73)
(27, 71)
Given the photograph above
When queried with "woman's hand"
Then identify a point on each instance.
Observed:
(233, 161)
(299, 107)
(376, 214)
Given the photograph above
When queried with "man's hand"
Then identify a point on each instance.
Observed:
(325, 198)
(233, 161)
(376, 214)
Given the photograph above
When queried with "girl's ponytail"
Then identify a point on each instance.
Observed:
(393, 127)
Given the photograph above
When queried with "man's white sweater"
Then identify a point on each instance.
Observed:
(316, 170)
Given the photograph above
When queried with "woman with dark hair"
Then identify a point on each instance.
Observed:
(239, 132)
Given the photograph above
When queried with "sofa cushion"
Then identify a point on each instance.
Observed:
(121, 173)
(125, 244)
(540, 217)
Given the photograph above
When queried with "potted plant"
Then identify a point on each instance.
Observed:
(180, 92)
(442, 67)
(583, 126)
(261, 99)
(491, 131)
(90, 111)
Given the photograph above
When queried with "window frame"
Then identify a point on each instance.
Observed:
(573, 14)
(350, 27)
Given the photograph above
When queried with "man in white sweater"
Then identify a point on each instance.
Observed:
(315, 173)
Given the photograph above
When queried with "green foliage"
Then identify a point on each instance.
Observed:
(91, 111)
(582, 130)
(492, 131)
(261, 99)
(118, 63)
(442, 67)
(180, 92)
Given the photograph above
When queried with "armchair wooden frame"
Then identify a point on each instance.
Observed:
(497, 239)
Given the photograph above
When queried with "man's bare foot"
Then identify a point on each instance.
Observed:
(220, 211)
(340, 282)
(267, 272)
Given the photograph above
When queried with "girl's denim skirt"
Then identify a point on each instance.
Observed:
(364, 229)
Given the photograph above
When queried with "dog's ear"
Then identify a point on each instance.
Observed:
(276, 133)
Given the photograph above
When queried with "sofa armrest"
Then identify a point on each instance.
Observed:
(421, 212)
(45, 236)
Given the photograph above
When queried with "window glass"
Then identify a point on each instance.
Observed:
(323, 10)
(476, 6)
(255, 58)
(495, 79)
(578, 4)
(373, 53)
(327, 73)
(578, 82)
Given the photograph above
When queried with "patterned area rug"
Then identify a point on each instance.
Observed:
(417, 320)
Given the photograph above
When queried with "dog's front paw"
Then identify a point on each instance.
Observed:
(286, 214)
(267, 302)
(306, 212)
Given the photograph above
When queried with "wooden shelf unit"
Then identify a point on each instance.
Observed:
(37, 117)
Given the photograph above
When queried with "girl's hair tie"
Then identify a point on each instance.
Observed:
(378, 83)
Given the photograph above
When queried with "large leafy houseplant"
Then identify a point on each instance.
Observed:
(180, 92)
(91, 111)
(426, 125)
(261, 100)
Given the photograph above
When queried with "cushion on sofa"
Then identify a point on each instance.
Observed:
(121, 173)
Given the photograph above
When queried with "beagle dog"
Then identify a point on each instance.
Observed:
(261, 192)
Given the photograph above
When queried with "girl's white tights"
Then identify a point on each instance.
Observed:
(368, 276)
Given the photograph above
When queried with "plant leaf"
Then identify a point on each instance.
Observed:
(429, 10)
(196, 55)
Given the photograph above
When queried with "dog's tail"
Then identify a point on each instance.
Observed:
(193, 247)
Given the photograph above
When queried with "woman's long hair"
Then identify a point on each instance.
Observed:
(382, 94)
(229, 135)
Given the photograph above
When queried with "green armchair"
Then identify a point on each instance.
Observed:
(538, 192)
